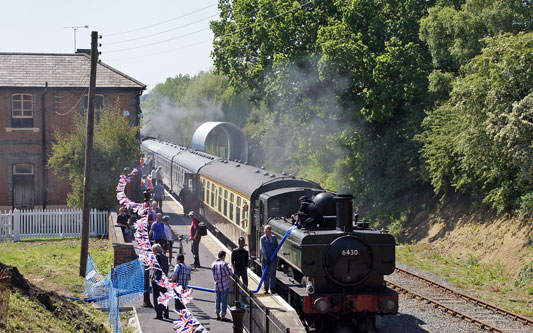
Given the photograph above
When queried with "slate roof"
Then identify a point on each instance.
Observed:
(59, 70)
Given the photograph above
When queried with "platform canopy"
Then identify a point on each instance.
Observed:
(237, 143)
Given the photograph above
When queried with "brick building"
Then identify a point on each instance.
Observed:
(39, 94)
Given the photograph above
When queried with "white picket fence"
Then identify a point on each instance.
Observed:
(49, 223)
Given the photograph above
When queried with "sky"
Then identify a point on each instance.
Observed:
(39, 26)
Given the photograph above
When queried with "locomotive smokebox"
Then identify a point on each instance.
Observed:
(344, 212)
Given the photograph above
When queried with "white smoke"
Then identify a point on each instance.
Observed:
(307, 125)
(166, 121)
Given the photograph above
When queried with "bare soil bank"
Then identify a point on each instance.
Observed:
(455, 231)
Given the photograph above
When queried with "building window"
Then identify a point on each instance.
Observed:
(22, 110)
(98, 101)
(23, 169)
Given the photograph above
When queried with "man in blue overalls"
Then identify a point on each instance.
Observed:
(269, 243)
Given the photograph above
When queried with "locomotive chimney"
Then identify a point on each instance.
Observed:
(344, 212)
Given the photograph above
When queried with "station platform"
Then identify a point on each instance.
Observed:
(203, 305)
(279, 316)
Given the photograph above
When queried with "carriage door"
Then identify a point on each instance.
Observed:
(191, 184)
(23, 186)
(257, 223)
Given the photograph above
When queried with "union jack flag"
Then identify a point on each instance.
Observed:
(179, 323)
(163, 299)
(187, 328)
(143, 243)
(163, 283)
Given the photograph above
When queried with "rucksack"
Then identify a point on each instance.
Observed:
(202, 229)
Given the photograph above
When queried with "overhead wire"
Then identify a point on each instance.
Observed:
(224, 35)
(72, 96)
(155, 43)
(161, 32)
(162, 52)
(159, 23)
(84, 79)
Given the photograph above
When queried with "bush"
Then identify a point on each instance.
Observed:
(526, 203)
(396, 229)
(525, 277)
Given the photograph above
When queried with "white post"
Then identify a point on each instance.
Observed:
(16, 225)
(62, 220)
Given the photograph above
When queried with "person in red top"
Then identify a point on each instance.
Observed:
(195, 237)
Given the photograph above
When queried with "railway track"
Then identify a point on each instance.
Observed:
(487, 316)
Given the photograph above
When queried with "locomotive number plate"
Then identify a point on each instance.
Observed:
(350, 252)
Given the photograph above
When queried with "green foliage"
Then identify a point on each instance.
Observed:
(396, 229)
(479, 141)
(341, 88)
(526, 203)
(454, 34)
(115, 147)
(525, 277)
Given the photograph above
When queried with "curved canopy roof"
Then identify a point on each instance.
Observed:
(237, 143)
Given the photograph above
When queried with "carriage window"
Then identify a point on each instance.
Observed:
(225, 203)
(231, 207)
(238, 215)
(219, 199)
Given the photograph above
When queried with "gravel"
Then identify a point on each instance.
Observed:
(418, 316)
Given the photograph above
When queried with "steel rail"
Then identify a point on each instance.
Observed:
(477, 301)
(453, 312)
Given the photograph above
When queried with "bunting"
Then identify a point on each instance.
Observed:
(186, 322)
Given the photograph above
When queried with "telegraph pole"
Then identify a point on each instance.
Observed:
(88, 157)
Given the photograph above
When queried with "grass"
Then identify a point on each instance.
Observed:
(53, 266)
(488, 282)
(124, 319)
(21, 308)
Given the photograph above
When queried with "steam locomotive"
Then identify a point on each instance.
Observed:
(333, 273)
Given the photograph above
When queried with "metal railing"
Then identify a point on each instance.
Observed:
(258, 317)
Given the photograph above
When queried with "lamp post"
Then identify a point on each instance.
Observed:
(76, 27)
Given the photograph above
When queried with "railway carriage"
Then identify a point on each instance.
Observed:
(179, 169)
(334, 272)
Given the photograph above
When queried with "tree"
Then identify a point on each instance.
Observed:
(454, 33)
(115, 147)
(480, 140)
(342, 85)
